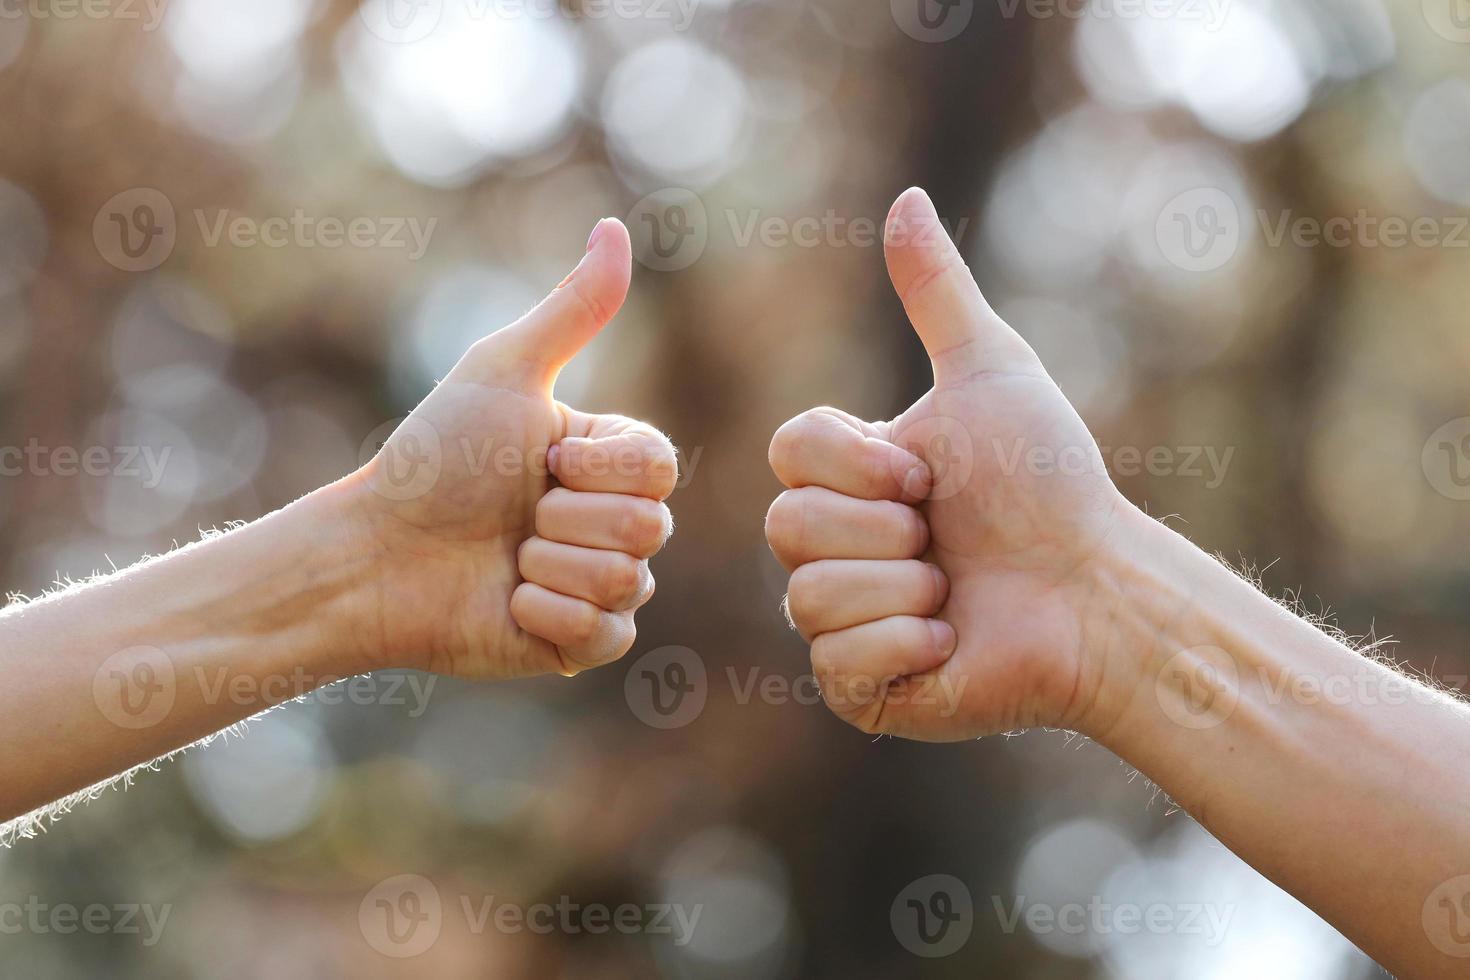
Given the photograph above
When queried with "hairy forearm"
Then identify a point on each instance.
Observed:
(1334, 775)
(114, 673)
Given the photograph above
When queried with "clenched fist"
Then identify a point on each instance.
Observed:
(942, 563)
(514, 532)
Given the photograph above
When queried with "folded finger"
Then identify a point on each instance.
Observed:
(611, 521)
(813, 523)
(855, 667)
(828, 448)
(584, 635)
(639, 461)
(834, 594)
(611, 580)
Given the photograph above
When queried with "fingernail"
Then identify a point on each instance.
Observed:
(591, 242)
(552, 455)
(596, 233)
(941, 582)
(944, 636)
(916, 482)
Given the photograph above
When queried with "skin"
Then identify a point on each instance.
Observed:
(456, 549)
(969, 568)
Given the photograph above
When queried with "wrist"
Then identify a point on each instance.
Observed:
(337, 569)
(1141, 615)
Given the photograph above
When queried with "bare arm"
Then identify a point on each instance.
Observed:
(498, 533)
(969, 568)
(111, 674)
(1335, 776)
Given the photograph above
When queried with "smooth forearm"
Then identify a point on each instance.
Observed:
(1337, 777)
(114, 673)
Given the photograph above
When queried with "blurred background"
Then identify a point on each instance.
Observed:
(238, 239)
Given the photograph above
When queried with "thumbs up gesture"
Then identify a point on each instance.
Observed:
(513, 532)
(944, 564)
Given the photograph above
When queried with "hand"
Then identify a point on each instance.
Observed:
(943, 563)
(483, 567)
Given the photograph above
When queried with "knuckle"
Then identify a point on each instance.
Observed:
(805, 596)
(622, 579)
(585, 625)
(663, 469)
(933, 279)
(642, 526)
(646, 584)
(877, 471)
(786, 445)
(627, 636)
(785, 523)
(590, 304)
(826, 663)
(868, 722)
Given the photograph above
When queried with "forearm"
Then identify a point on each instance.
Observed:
(114, 673)
(1336, 777)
